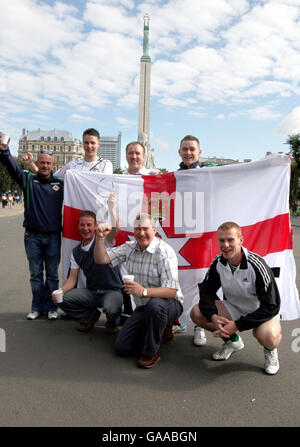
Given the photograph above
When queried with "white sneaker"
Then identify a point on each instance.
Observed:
(33, 315)
(178, 329)
(52, 315)
(228, 348)
(271, 361)
(199, 336)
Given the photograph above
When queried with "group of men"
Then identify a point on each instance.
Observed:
(250, 296)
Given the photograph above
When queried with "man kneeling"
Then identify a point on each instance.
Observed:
(153, 263)
(104, 284)
(251, 299)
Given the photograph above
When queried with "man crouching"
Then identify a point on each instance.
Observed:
(251, 299)
(154, 266)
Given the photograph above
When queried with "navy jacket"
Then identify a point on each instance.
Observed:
(43, 198)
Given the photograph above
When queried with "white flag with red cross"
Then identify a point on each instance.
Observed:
(189, 206)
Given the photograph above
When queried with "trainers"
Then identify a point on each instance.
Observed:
(146, 362)
(179, 328)
(271, 361)
(228, 348)
(33, 315)
(84, 327)
(199, 336)
(52, 315)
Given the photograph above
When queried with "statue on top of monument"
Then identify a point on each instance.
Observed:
(146, 36)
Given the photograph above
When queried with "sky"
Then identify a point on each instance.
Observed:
(226, 71)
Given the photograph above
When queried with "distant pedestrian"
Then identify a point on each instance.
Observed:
(4, 200)
(10, 201)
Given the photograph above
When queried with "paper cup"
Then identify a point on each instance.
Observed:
(59, 295)
(4, 138)
(127, 278)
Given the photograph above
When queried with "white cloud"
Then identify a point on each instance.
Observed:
(290, 124)
(217, 51)
(29, 30)
(77, 117)
(126, 122)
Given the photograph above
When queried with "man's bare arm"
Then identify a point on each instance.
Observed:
(100, 254)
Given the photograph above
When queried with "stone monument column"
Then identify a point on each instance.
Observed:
(144, 98)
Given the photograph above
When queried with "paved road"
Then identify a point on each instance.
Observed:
(53, 376)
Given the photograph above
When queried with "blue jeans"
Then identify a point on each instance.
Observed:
(81, 304)
(43, 253)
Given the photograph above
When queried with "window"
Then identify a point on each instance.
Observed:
(54, 148)
(62, 139)
(32, 147)
(55, 138)
(49, 138)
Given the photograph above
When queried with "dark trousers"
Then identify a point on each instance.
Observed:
(143, 331)
(81, 305)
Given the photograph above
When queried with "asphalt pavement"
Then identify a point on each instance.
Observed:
(53, 376)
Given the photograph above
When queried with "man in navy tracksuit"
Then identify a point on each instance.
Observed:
(43, 197)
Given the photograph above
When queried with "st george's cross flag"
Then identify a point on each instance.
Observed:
(189, 206)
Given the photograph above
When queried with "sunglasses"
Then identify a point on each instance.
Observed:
(43, 151)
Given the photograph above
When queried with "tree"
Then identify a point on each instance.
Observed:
(163, 171)
(118, 171)
(294, 142)
(6, 181)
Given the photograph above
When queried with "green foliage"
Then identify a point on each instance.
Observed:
(163, 171)
(6, 182)
(118, 171)
(294, 142)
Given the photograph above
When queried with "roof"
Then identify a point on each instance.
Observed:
(39, 133)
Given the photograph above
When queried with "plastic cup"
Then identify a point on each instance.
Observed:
(4, 138)
(127, 278)
(58, 295)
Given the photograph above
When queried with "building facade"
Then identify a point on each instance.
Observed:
(221, 161)
(65, 147)
(61, 143)
(110, 149)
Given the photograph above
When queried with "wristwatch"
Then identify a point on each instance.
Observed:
(145, 292)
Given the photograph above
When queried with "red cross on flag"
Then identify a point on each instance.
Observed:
(189, 206)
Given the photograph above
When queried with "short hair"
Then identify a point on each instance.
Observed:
(87, 213)
(135, 142)
(92, 132)
(140, 218)
(190, 138)
(226, 226)
(44, 152)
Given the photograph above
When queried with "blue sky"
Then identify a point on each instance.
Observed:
(226, 71)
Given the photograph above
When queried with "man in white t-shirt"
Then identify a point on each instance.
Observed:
(135, 156)
(91, 162)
